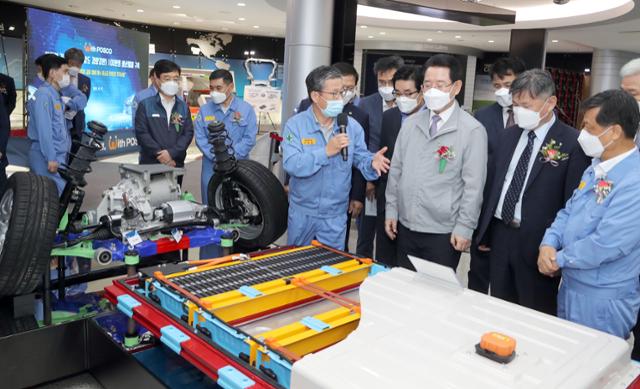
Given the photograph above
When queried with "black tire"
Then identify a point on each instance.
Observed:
(264, 190)
(26, 251)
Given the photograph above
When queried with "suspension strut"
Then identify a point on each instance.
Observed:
(222, 149)
(79, 165)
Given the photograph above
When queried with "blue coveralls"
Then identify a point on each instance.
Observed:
(599, 251)
(141, 95)
(240, 122)
(319, 185)
(50, 139)
(77, 103)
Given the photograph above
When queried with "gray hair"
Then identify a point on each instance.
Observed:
(631, 68)
(74, 54)
(315, 80)
(535, 82)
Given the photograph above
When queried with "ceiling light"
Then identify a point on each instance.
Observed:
(11, 28)
(252, 52)
(429, 39)
(182, 15)
(256, 26)
(382, 33)
(490, 41)
(555, 41)
(241, 4)
(176, 7)
(242, 19)
(587, 70)
(458, 37)
(140, 10)
(370, 37)
(439, 32)
(363, 26)
(246, 52)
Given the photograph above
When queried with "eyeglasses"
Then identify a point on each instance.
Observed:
(335, 95)
(437, 85)
(400, 94)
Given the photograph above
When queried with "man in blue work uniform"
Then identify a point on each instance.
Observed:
(163, 126)
(595, 239)
(320, 178)
(238, 117)
(76, 119)
(50, 140)
(239, 120)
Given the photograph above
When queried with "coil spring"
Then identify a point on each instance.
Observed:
(221, 136)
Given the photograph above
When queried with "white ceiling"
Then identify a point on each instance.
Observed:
(613, 24)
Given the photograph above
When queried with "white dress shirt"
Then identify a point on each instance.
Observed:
(168, 106)
(444, 116)
(605, 167)
(541, 133)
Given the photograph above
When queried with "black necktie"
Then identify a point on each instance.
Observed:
(510, 119)
(517, 182)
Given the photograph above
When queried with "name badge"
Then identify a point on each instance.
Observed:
(155, 115)
(308, 141)
(209, 118)
(582, 185)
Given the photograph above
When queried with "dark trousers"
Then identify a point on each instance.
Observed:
(479, 270)
(366, 235)
(514, 273)
(386, 249)
(635, 354)
(436, 248)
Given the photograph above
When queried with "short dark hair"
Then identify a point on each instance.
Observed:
(52, 62)
(387, 63)
(535, 82)
(347, 70)
(507, 65)
(41, 58)
(446, 61)
(165, 66)
(616, 107)
(226, 76)
(316, 78)
(151, 72)
(410, 73)
(74, 54)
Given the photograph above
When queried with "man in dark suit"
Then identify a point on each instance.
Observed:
(5, 128)
(495, 118)
(8, 91)
(538, 164)
(406, 83)
(358, 183)
(75, 59)
(375, 105)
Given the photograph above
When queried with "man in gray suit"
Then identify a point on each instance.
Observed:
(434, 189)
(375, 105)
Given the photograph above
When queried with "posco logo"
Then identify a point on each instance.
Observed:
(89, 48)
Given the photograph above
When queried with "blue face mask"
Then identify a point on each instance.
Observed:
(333, 109)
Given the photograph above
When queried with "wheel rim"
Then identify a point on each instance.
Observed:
(6, 206)
(252, 231)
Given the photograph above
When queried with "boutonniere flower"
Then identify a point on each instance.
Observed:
(444, 154)
(176, 120)
(602, 188)
(551, 153)
(237, 116)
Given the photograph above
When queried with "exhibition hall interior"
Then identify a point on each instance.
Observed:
(320, 194)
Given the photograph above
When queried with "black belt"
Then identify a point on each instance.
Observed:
(513, 224)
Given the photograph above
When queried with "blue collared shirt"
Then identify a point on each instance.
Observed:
(599, 242)
(47, 127)
(320, 184)
(239, 121)
(541, 133)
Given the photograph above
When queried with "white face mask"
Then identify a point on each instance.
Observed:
(591, 144)
(73, 71)
(406, 104)
(66, 80)
(170, 88)
(218, 97)
(386, 92)
(503, 97)
(348, 96)
(436, 99)
(527, 119)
